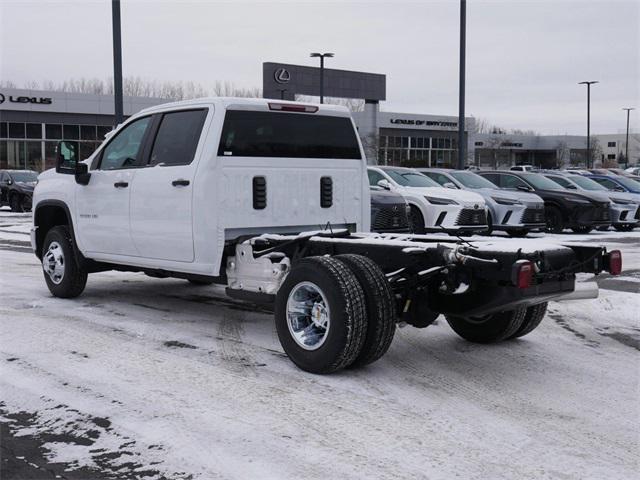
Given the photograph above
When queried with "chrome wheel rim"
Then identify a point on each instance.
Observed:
(308, 315)
(53, 263)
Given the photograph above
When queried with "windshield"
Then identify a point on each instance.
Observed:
(24, 176)
(407, 178)
(587, 183)
(543, 183)
(472, 180)
(628, 182)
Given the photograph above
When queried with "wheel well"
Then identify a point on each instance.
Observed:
(45, 218)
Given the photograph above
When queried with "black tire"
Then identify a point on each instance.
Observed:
(532, 319)
(489, 229)
(417, 220)
(582, 230)
(490, 328)
(200, 283)
(15, 202)
(26, 203)
(520, 233)
(74, 277)
(380, 308)
(625, 227)
(555, 221)
(348, 321)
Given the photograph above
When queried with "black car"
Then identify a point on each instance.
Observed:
(389, 212)
(16, 189)
(563, 209)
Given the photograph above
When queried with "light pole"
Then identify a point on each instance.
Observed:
(626, 153)
(588, 84)
(461, 143)
(321, 56)
(117, 62)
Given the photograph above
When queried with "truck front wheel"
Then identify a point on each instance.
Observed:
(490, 328)
(320, 315)
(65, 277)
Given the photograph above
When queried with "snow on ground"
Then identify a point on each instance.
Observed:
(149, 378)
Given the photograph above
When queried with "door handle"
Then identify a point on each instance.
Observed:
(121, 184)
(180, 182)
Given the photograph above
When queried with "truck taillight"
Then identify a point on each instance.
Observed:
(524, 274)
(615, 262)
(288, 107)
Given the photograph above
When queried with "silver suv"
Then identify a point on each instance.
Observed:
(516, 213)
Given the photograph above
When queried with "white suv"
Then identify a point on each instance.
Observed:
(433, 208)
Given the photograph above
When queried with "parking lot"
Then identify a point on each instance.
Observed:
(150, 378)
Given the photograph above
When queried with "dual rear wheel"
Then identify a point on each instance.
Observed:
(335, 312)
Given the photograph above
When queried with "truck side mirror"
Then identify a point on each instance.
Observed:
(384, 184)
(67, 157)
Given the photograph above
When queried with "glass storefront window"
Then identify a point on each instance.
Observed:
(87, 132)
(71, 132)
(3, 130)
(86, 149)
(33, 156)
(50, 155)
(12, 155)
(53, 131)
(103, 130)
(34, 130)
(16, 130)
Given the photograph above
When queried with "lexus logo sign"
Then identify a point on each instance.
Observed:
(281, 75)
(1, 98)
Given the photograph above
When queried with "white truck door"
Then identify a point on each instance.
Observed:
(102, 206)
(162, 193)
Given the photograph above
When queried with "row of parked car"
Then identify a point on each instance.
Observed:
(516, 202)
(464, 201)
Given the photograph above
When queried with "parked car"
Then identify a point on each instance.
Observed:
(633, 170)
(16, 189)
(389, 212)
(514, 212)
(617, 183)
(624, 207)
(433, 208)
(523, 168)
(563, 209)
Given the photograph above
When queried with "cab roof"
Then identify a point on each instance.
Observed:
(257, 104)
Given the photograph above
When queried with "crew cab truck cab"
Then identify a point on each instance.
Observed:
(271, 199)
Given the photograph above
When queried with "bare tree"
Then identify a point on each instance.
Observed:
(140, 87)
(562, 153)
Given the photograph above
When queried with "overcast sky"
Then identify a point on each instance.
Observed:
(524, 58)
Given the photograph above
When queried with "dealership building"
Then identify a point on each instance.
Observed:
(33, 121)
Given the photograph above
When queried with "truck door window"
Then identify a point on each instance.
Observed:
(294, 135)
(177, 137)
(123, 151)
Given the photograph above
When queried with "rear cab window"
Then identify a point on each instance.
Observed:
(248, 133)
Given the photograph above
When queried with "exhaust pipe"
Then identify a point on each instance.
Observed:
(582, 291)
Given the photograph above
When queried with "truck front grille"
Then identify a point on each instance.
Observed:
(390, 217)
(533, 215)
(472, 216)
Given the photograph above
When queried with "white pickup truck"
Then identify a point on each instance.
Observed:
(271, 199)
